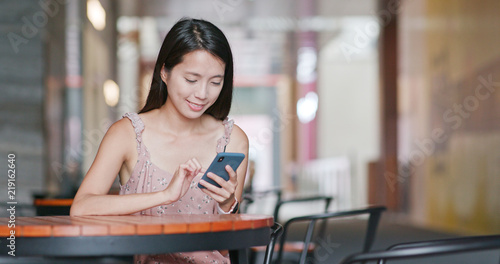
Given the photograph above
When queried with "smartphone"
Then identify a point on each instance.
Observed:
(218, 166)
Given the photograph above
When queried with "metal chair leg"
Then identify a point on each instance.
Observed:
(277, 230)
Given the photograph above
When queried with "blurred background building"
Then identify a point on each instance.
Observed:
(371, 101)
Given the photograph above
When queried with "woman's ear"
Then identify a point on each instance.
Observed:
(164, 74)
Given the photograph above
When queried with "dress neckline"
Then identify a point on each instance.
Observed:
(139, 129)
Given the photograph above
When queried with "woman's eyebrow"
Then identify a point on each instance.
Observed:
(194, 73)
(199, 75)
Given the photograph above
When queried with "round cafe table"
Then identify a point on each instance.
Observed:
(60, 237)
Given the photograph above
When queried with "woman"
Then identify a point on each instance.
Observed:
(161, 153)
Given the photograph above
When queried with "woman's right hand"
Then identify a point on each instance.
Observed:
(182, 179)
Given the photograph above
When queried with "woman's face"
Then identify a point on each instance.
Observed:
(194, 84)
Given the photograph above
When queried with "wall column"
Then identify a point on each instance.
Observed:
(386, 180)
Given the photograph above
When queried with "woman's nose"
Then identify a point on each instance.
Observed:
(202, 91)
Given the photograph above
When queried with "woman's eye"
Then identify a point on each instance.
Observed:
(190, 81)
(216, 83)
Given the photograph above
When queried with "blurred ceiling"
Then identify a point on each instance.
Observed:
(235, 11)
(257, 28)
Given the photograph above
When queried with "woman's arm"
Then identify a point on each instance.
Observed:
(232, 189)
(118, 146)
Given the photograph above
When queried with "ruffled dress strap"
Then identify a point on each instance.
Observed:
(138, 127)
(224, 140)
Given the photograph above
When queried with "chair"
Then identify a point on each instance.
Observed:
(421, 249)
(277, 231)
(289, 247)
(281, 202)
(250, 197)
(374, 213)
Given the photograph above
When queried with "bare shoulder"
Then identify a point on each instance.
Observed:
(238, 134)
(120, 138)
(239, 140)
(121, 130)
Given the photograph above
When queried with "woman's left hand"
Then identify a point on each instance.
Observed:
(225, 195)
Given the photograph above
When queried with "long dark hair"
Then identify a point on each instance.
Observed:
(188, 35)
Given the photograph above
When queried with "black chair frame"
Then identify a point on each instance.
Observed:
(428, 248)
(280, 202)
(250, 197)
(374, 212)
(277, 231)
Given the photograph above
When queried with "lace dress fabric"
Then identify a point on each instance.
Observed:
(147, 177)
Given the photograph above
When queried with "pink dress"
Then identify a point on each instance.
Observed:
(147, 177)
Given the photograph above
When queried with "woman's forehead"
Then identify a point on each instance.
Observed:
(201, 62)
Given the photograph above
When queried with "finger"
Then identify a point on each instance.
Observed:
(191, 165)
(195, 165)
(229, 185)
(232, 182)
(188, 172)
(184, 171)
(183, 168)
(232, 174)
(219, 180)
(209, 186)
(226, 189)
(215, 196)
(220, 191)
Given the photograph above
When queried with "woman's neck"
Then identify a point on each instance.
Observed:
(170, 120)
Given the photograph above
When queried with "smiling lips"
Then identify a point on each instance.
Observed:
(195, 107)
